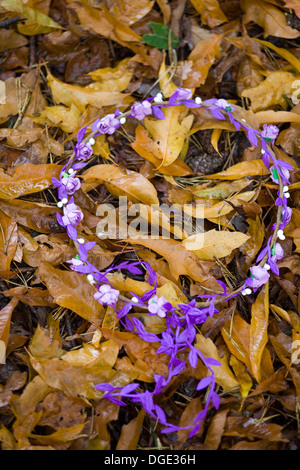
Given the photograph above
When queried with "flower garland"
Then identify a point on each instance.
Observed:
(181, 321)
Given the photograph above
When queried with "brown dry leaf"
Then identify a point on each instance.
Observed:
(82, 96)
(130, 433)
(72, 291)
(294, 4)
(258, 331)
(5, 316)
(214, 244)
(9, 39)
(143, 360)
(181, 261)
(220, 190)
(104, 355)
(27, 179)
(242, 376)
(169, 134)
(269, 17)
(79, 380)
(252, 428)
(202, 58)
(241, 170)
(36, 216)
(46, 342)
(103, 22)
(123, 183)
(216, 211)
(143, 145)
(113, 79)
(66, 118)
(33, 296)
(210, 11)
(50, 249)
(216, 428)
(236, 334)
(187, 419)
(8, 243)
(271, 91)
(223, 374)
(129, 12)
(17, 138)
(252, 246)
(36, 22)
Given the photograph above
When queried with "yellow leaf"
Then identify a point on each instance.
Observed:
(221, 208)
(215, 135)
(287, 55)
(202, 58)
(270, 92)
(210, 11)
(214, 244)
(166, 83)
(36, 21)
(270, 116)
(112, 78)
(242, 375)
(81, 96)
(241, 170)
(169, 134)
(123, 182)
(223, 374)
(258, 330)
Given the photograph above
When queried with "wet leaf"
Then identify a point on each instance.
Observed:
(27, 179)
(5, 317)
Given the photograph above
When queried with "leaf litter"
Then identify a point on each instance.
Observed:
(65, 63)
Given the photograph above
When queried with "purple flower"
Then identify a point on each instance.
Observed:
(286, 215)
(158, 306)
(70, 184)
(106, 295)
(75, 263)
(275, 176)
(140, 110)
(179, 95)
(83, 151)
(108, 124)
(72, 215)
(270, 133)
(259, 277)
(277, 252)
(223, 104)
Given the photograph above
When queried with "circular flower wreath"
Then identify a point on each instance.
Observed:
(180, 331)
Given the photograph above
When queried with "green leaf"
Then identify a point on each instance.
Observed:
(160, 36)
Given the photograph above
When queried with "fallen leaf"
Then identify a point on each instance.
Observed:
(123, 183)
(214, 244)
(36, 21)
(72, 291)
(27, 179)
(269, 17)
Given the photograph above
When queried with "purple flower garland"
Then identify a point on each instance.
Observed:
(181, 322)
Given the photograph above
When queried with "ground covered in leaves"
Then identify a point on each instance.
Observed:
(65, 63)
